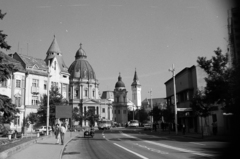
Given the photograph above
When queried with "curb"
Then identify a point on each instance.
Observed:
(61, 152)
(18, 148)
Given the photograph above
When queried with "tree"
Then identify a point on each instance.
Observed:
(3, 43)
(55, 99)
(218, 81)
(7, 68)
(156, 113)
(91, 117)
(32, 118)
(143, 115)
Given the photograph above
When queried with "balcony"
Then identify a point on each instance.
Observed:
(35, 90)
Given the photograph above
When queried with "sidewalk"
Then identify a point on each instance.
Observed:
(41, 148)
(198, 136)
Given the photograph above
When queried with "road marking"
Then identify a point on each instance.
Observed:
(152, 149)
(197, 143)
(170, 147)
(131, 151)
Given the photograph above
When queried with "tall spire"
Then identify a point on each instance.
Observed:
(54, 48)
(135, 79)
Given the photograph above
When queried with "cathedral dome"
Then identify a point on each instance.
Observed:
(81, 68)
(119, 82)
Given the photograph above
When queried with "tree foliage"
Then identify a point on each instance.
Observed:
(91, 117)
(200, 104)
(7, 109)
(219, 79)
(32, 118)
(3, 43)
(55, 99)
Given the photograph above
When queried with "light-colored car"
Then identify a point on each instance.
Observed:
(43, 130)
(133, 123)
(147, 126)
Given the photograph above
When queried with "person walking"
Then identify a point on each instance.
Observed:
(214, 127)
(183, 128)
(57, 133)
(62, 133)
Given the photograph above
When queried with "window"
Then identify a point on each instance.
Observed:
(17, 120)
(18, 83)
(34, 100)
(64, 88)
(93, 93)
(35, 83)
(45, 85)
(117, 99)
(3, 84)
(76, 92)
(118, 111)
(18, 101)
(86, 93)
(55, 65)
(103, 110)
(54, 84)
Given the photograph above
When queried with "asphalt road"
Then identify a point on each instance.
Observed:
(135, 144)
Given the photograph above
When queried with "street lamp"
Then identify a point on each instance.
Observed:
(151, 106)
(48, 72)
(174, 92)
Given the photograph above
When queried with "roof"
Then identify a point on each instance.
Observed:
(135, 80)
(55, 52)
(120, 82)
(155, 101)
(7, 59)
(81, 68)
(32, 62)
(186, 68)
(54, 47)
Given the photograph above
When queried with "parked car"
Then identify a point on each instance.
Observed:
(43, 130)
(133, 123)
(147, 125)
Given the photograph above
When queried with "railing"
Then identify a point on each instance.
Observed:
(35, 89)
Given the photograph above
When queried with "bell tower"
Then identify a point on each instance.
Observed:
(136, 91)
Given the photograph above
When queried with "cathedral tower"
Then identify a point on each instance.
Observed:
(120, 110)
(136, 91)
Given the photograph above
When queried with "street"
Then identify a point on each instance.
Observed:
(134, 143)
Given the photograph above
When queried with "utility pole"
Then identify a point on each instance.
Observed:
(151, 106)
(175, 101)
(48, 96)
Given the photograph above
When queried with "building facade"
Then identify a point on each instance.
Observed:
(84, 89)
(187, 82)
(28, 85)
(120, 107)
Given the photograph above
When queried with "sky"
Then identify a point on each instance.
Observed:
(120, 36)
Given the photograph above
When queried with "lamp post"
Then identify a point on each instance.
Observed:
(174, 92)
(48, 96)
(151, 106)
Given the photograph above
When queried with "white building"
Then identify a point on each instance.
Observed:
(84, 89)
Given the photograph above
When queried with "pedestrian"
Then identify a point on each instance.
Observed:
(57, 133)
(183, 128)
(62, 133)
(214, 128)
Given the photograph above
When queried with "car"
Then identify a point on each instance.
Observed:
(147, 126)
(133, 123)
(42, 130)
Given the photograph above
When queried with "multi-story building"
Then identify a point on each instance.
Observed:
(14, 89)
(187, 82)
